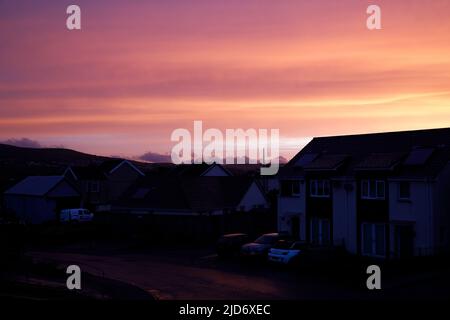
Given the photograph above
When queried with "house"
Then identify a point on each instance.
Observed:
(204, 206)
(38, 199)
(102, 183)
(382, 195)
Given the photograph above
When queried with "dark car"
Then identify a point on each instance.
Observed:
(230, 244)
(261, 246)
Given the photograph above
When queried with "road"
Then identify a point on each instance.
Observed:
(198, 274)
(177, 276)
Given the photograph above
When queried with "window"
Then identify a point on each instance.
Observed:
(373, 239)
(373, 189)
(290, 188)
(404, 192)
(319, 188)
(320, 231)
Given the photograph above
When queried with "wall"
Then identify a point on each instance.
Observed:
(442, 210)
(120, 180)
(417, 210)
(289, 207)
(344, 215)
(252, 199)
(31, 209)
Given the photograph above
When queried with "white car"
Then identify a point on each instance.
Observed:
(286, 252)
(76, 215)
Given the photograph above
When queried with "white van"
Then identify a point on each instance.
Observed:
(76, 215)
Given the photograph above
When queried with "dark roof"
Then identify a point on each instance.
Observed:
(107, 166)
(380, 161)
(186, 193)
(326, 162)
(88, 173)
(194, 170)
(35, 185)
(100, 171)
(388, 151)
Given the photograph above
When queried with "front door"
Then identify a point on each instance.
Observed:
(404, 240)
(295, 227)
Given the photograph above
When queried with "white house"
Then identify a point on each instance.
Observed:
(382, 195)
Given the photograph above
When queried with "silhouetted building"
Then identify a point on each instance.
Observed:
(380, 195)
(204, 206)
(38, 199)
(100, 184)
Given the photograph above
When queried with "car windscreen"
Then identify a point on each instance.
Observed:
(266, 239)
(283, 244)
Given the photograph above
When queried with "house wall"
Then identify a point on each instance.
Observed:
(33, 210)
(63, 189)
(344, 214)
(442, 210)
(253, 198)
(417, 211)
(120, 180)
(289, 207)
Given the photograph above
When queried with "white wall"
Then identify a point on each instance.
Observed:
(442, 209)
(419, 210)
(344, 214)
(292, 206)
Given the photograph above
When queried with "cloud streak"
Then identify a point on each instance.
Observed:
(139, 70)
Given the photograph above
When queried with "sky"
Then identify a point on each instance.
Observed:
(137, 70)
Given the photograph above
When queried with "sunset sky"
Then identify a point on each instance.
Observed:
(140, 69)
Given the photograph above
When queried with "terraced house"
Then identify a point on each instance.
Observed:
(384, 195)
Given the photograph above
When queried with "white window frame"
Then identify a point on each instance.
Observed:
(368, 196)
(374, 240)
(316, 183)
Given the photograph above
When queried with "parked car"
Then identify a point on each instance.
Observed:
(261, 246)
(287, 252)
(230, 244)
(76, 215)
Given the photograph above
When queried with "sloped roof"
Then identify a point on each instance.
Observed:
(378, 151)
(186, 193)
(88, 173)
(35, 185)
(194, 170)
(326, 162)
(100, 171)
(108, 165)
(380, 161)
